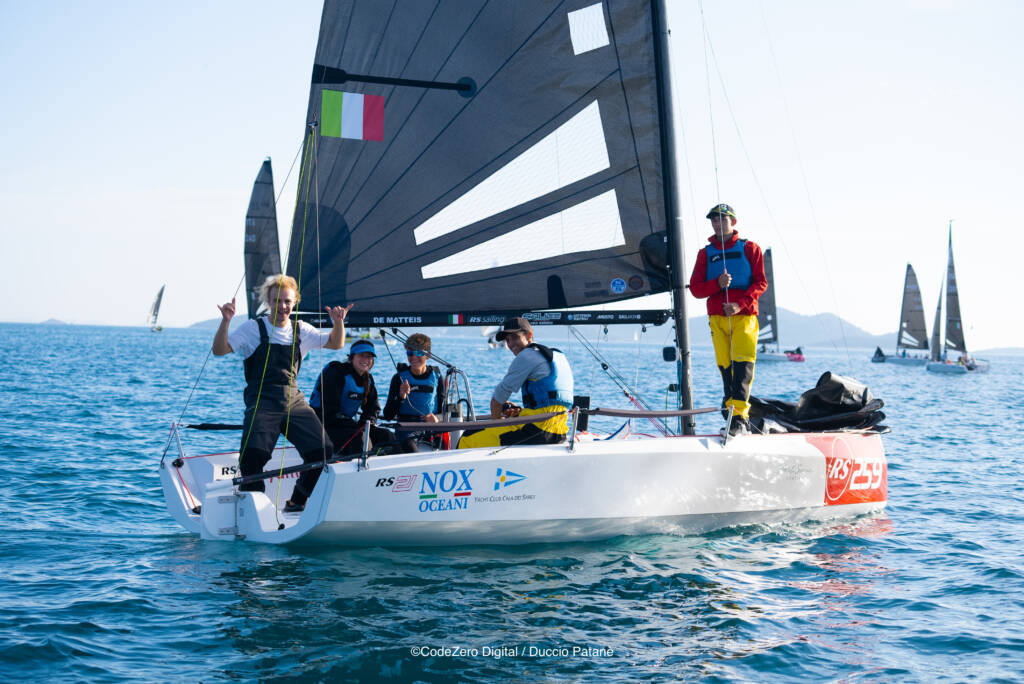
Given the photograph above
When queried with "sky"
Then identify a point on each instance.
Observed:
(845, 135)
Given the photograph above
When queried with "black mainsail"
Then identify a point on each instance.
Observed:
(262, 253)
(464, 161)
(530, 188)
(767, 318)
(912, 333)
(954, 329)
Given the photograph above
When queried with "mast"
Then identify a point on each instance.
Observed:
(676, 257)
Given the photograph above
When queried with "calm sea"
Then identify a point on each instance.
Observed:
(99, 584)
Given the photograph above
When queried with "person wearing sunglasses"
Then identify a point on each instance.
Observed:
(417, 394)
(345, 399)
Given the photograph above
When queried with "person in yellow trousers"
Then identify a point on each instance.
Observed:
(545, 378)
(729, 273)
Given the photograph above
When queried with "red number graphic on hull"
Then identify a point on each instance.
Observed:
(855, 468)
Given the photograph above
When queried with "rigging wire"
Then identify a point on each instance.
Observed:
(234, 295)
(806, 186)
(618, 379)
(757, 181)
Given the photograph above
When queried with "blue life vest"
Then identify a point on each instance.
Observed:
(553, 390)
(350, 398)
(421, 399)
(734, 260)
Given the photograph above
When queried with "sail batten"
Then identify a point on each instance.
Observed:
(472, 200)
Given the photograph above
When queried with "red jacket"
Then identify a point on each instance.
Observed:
(702, 288)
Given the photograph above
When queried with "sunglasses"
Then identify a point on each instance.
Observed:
(415, 352)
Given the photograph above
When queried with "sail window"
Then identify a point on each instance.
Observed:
(587, 29)
(590, 225)
(575, 150)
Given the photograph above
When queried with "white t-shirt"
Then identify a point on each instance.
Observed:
(246, 337)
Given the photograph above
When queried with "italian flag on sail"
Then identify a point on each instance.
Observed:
(351, 115)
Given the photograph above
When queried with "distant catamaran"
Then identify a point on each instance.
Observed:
(154, 311)
(912, 335)
(954, 338)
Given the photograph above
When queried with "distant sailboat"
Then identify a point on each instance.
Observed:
(262, 254)
(489, 332)
(154, 311)
(912, 335)
(954, 338)
(768, 321)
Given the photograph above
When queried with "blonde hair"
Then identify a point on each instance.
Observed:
(279, 281)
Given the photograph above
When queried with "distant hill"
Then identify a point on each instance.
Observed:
(821, 330)
(211, 324)
(54, 321)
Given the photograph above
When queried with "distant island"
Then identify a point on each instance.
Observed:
(54, 321)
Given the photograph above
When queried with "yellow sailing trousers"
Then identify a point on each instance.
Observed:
(735, 340)
(550, 431)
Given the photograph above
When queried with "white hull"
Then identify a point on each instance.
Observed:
(956, 368)
(902, 360)
(772, 357)
(601, 489)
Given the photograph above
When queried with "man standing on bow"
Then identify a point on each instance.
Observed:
(729, 273)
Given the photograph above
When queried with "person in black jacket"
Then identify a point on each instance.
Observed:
(417, 394)
(345, 399)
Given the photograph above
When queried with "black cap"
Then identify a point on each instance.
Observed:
(513, 325)
(721, 209)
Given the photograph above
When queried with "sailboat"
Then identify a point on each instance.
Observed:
(262, 252)
(490, 333)
(912, 335)
(154, 311)
(954, 337)
(768, 321)
(465, 162)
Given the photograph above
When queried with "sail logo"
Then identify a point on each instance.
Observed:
(506, 478)
(446, 490)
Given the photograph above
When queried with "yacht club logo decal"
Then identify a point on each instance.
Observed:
(506, 478)
(445, 490)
